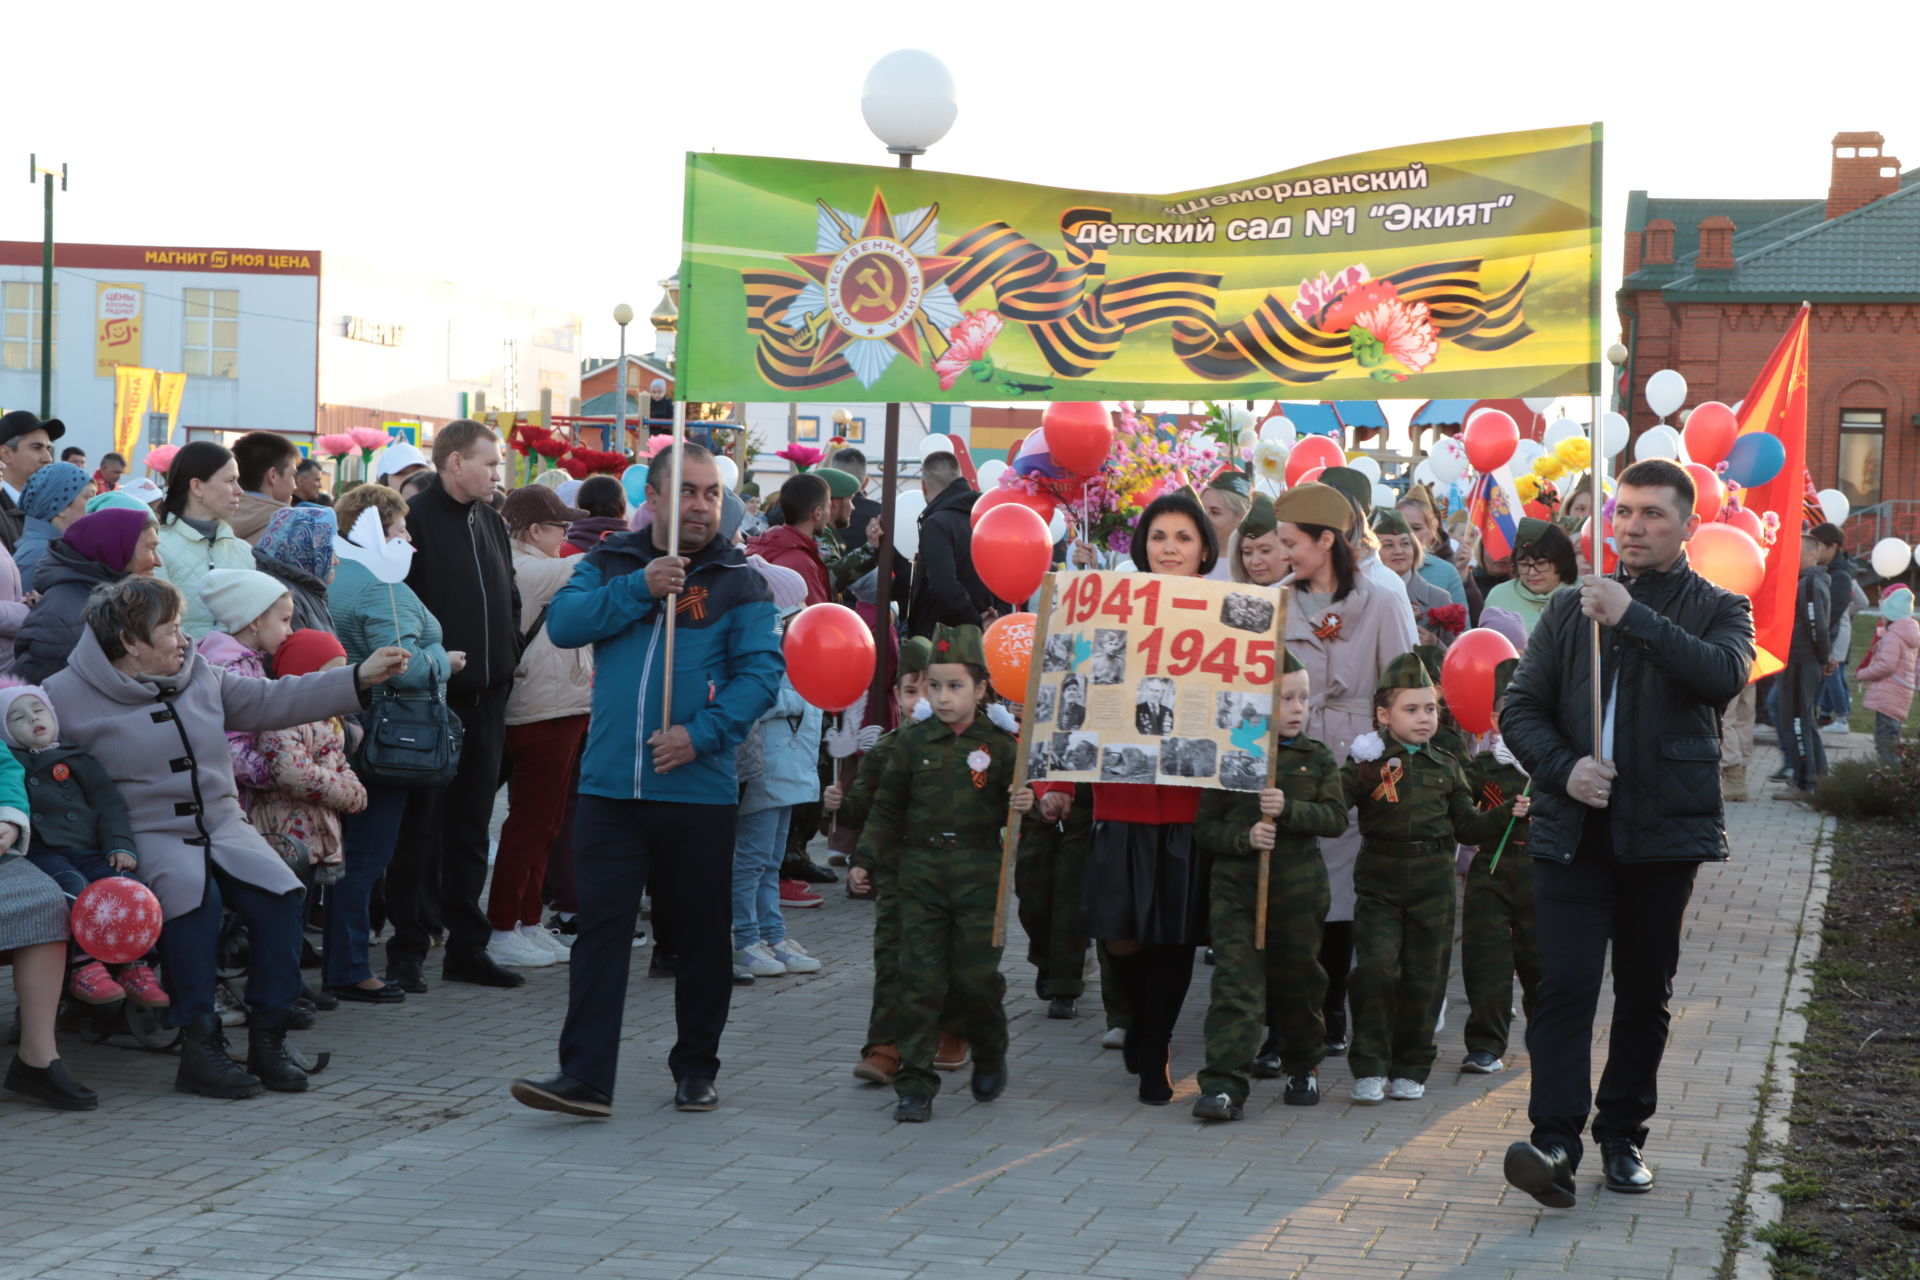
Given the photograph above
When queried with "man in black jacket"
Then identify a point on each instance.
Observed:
(1808, 656)
(946, 590)
(865, 509)
(1617, 835)
(26, 445)
(463, 572)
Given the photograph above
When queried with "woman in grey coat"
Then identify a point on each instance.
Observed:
(155, 715)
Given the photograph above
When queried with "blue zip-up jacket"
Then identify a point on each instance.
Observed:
(727, 666)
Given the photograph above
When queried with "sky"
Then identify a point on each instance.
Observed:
(537, 150)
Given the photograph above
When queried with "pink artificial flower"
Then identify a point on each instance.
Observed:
(368, 438)
(801, 456)
(160, 457)
(1317, 295)
(1404, 330)
(970, 338)
(335, 446)
(657, 441)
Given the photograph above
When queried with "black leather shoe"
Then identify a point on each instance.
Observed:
(404, 973)
(324, 1000)
(561, 1092)
(351, 993)
(1156, 1079)
(1266, 1063)
(812, 872)
(479, 969)
(913, 1108)
(989, 1082)
(1302, 1091)
(52, 1086)
(1546, 1175)
(1625, 1171)
(695, 1093)
(1216, 1106)
(1063, 1007)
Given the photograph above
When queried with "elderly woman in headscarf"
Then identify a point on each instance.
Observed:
(103, 547)
(53, 498)
(297, 549)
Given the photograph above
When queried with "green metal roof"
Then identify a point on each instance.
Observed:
(1875, 250)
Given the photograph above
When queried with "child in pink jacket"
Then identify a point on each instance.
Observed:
(310, 780)
(1889, 672)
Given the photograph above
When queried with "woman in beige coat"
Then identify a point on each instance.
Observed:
(156, 715)
(1344, 630)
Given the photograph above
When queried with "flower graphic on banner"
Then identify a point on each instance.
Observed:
(968, 352)
(1382, 325)
(1317, 295)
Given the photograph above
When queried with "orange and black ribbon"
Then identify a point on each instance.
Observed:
(1390, 775)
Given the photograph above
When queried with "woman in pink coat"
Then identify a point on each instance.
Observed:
(1890, 671)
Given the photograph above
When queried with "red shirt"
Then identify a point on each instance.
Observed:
(782, 545)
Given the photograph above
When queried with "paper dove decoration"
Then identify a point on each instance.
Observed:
(386, 559)
(844, 739)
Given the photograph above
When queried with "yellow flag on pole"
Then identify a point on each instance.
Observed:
(169, 390)
(131, 389)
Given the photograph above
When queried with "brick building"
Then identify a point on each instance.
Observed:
(1711, 284)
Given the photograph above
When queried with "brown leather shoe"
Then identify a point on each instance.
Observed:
(880, 1065)
(952, 1053)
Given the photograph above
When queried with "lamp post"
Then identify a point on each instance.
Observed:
(45, 177)
(622, 316)
(908, 103)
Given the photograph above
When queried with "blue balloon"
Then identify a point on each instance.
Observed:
(634, 481)
(1756, 459)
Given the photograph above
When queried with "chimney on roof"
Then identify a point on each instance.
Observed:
(1633, 253)
(1716, 244)
(1861, 174)
(1658, 248)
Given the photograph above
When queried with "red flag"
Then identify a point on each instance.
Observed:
(1777, 404)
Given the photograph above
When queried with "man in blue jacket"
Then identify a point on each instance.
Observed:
(659, 801)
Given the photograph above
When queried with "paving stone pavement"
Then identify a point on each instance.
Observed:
(409, 1159)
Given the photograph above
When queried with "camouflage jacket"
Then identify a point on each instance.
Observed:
(1408, 797)
(931, 796)
(1315, 807)
(856, 807)
(1494, 787)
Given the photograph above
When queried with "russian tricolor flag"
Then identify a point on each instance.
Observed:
(1494, 510)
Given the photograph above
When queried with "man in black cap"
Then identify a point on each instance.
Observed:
(26, 445)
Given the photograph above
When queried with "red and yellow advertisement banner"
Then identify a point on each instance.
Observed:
(117, 322)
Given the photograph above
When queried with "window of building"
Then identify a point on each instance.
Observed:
(20, 343)
(1863, 441)
(212, 346)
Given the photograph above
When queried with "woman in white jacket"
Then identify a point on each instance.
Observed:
(203, 491)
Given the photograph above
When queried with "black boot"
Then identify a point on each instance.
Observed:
(267, 1053)
(206, 1069)
(1151, 1057)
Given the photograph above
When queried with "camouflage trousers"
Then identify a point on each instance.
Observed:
(1497, 941)
(948, 971)
(1403, 941)
(1282, 987)
(1046, 880)
(883, 1021)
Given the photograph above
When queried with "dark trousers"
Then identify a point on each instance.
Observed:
(1336, 960)
(1580, 907)
(190, 951)
(440, 863)
(368, 838)
(1803, 750)
(687, 850)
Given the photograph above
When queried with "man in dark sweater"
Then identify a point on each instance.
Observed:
(463, 572)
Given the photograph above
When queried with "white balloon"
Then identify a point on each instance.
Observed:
(1056, 526)
(1239, 417)
(1279, 429)
(1891, 557)
(1666, 391)
(990, 473)
(1523, 455)
(729, 471)
(1657, 442)
(1539, 404)
(1836, 506)
(1448, 461)
(1562, 429)
(935, 443)
(1384, 496)
(1366, 467)
(906, 522)
(1423, 474)
(1613, 433)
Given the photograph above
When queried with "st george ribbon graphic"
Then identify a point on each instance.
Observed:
(1464, 267)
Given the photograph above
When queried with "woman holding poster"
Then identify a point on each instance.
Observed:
(1145, 893)
(1344, 630)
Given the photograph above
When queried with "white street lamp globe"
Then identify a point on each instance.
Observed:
(908, 101)
(623, 315)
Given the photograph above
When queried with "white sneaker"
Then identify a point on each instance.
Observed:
(794, 956)
(1404, 1090)
(546, 941)
(1836, 727)
(1369, 1089)
(758, 961)
(519, 951)
(1115, 1038)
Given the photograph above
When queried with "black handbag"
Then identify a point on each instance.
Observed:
(410, 741)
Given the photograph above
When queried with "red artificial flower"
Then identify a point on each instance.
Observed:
(1450, 618)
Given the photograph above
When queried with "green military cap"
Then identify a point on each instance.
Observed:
(1431, 656)
(957, 644)
(1352, 483)
(1259, 521)
(1288, 663)
(1313, 503)
(1502, 677)
(1231, 479)
(839, 483)
(1405, 672)
(915, 653)
(1531, 527)
(1387, 520)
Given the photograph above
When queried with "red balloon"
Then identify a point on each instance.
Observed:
(1011, 551)
(1728, 558)
(1709, 434)
(116, 920)
(1747, 521)
(1311, 476)
(1038, 503)
(1490, 439)
(1584, 544)
(1466, 674)
(1708, 492)
(830, 656)
(1079, 435)
(1313, 452)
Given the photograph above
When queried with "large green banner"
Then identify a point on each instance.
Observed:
(1465, 269)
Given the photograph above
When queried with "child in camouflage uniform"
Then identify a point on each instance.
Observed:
(942, 801)
(1284, 986)
(1414, 805)
(1046, 880)
(1498, 938)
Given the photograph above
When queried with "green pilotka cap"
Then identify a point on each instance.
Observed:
(1259, 521)
(1530, 530)
(1354, 484)
(1231, 479)
(957, 644)
(1431, 656)
(1405, 672)
(1387, 520)
(1502, 677)
(915, 653)
(1288, 663)
(839, 483)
